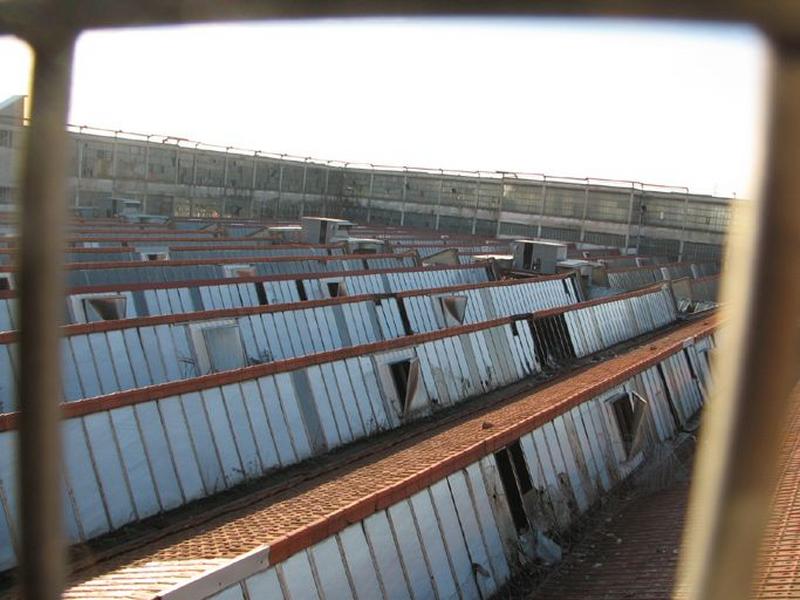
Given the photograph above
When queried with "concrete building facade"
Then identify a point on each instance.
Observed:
(173, 176)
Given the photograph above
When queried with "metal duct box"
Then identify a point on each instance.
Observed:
(321, 230)
(537, 255)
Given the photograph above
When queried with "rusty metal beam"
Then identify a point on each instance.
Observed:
(756, 366)
(41, 305)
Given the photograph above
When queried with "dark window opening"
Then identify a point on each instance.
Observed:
(401, 373)
(301, 290)
(401, 307)
(153, 256)
(552, 342)
(261, 292)
(511, 489)
(336, 289)
(5, 283)
(521, 469)
(670, 402)
(454, 308)
(527, 255)
(108, 308)
(689, 362)
(323, 231)
(623, 412)
(565, 283)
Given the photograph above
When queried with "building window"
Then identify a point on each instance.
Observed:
(5, 138)
(405, 376)
(516, 482)
(217, 346)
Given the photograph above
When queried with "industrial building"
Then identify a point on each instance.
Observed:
(304, 380)
(167, 176)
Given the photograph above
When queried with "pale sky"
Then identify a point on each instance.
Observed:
(660, 103)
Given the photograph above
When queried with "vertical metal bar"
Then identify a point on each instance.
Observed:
(541, 211)
(42, 287)
(146, 173)
(756, 366)
(369, 198)
(253, 188)
(683, 223)
(80, 172)
(192, 189)
(280, 188)
(585, 210)
(477, 202)
(630, 219)
(500, 204)
(325, 192)
(439, 202)
(403, 201)
(303, 201)
(224, 206)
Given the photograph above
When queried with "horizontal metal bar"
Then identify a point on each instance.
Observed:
(18, 16)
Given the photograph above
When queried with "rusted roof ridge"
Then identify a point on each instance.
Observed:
(683, 263)
(132, 264)
(9, 421)
(11, 336)
(130, 287)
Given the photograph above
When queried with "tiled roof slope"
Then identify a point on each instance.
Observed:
(311, 512)
(779, 565)
(634, 554)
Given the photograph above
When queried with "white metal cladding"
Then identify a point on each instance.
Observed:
(675, 271)
(491, 302)
(122, 359)
(704, 290)
(704, 269)
(201, 253)
(425, 251)
(456, 538)
(131, 462)
(192, 298)
(597, 327)
(8, 314)
(105, 362)
(634, 278)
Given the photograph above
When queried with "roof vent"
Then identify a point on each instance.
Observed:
(105, 308)
(454, 308)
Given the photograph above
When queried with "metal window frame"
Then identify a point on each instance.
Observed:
(736, 469)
